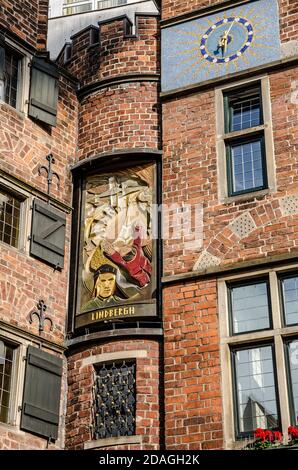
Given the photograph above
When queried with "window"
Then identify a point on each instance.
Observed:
(259, 330)
(71, 10)
(244, 139)
(292, 352)
(289, 286)
(246, 155)
(10, 213)
(10, 66)
(249, 307)
(255, 389)
(114, 403)
(7, 353)
(102, 4)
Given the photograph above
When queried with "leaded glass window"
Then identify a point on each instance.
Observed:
(244, 140)
(290, 299)
(6, 372)
(246, 166)
(255, 389)
(293, 378)
(249, 307)
(10, 212)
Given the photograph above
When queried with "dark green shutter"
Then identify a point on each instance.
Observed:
(42, 390)
(48, 234)
(43, 91)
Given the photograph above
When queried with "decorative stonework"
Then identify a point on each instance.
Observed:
(289, 205)
(205, 261)
(243, 225)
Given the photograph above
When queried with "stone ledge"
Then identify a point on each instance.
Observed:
(113, 441)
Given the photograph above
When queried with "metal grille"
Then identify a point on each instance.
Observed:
(10, 208)
(11, 78)
(6, 364)
(114, 402)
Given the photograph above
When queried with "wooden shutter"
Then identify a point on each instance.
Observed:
(42, 390)
(48, 234)
(43, 91)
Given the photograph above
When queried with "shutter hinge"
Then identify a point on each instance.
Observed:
(24, 358)
(29, 237)
(20, 408)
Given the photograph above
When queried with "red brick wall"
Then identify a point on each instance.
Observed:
(80, 380)
(190, 175)
(288, 20)
(116, 55)
(193, 408)
(172, 8)
(119, 117)
(27, 19)
(24, 146)
(24, 280)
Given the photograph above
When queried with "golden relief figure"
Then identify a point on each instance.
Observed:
(117, 247)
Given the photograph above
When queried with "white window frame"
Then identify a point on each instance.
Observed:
(278, 334)
(25, 216)
(17, 379)
(222, 136)
(23, 77)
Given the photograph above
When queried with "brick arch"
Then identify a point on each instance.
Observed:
(229, 241)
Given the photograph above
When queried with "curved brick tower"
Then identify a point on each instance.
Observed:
(118, 128)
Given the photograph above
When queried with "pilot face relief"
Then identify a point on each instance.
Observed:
(105, 285)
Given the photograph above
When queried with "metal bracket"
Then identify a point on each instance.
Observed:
(41, 307)
(49, 172)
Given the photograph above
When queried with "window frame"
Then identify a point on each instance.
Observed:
(23, 77)
(224, 139)
(244, 347)
(11, 406)
(227, 108)
(287, 341)
(279, 336)
(282, 299)
(17, 378)
(243, 141)
(25, 215)
(242, 284)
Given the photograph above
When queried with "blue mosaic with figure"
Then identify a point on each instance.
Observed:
(219, 44)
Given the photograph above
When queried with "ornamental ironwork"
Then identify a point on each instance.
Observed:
(114, 400)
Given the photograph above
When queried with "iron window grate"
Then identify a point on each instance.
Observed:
(114, 400)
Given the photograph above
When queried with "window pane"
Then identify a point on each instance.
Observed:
(9, 218)
(290, 299)
(11, 77)
(6, 361)
(293, 362)
(110, 3)
(255, 389)
(247, 166)
(244, 110)
(77, 9)
(250, 307)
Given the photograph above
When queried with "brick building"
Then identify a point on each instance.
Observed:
(114, 335)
